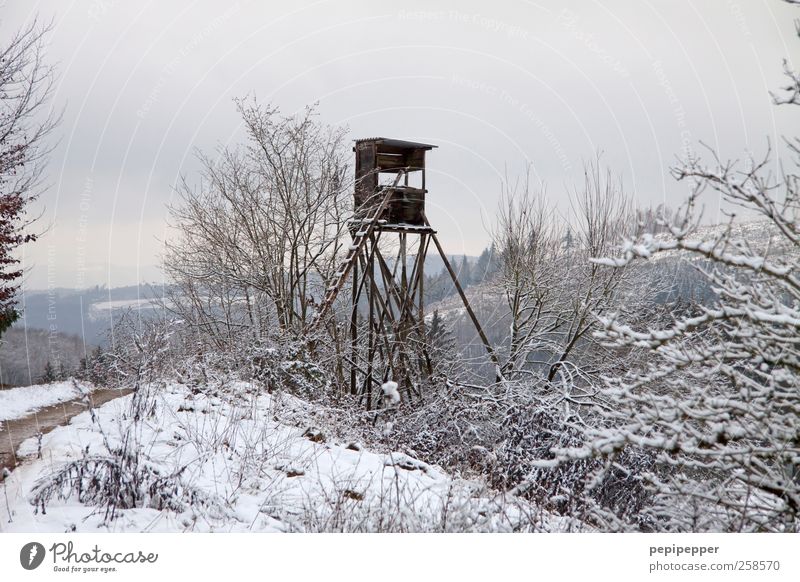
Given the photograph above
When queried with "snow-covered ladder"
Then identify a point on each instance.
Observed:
(362, 235)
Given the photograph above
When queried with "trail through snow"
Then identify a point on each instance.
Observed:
(19, 402)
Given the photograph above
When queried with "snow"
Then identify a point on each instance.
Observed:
(390, 392)
(123, 304)
(260, 464)
(19, 402)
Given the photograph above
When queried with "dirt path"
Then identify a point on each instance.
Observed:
(46, 419)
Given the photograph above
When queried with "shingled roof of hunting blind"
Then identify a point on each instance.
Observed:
(396, 143)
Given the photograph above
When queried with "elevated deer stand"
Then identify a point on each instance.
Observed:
(393, 346)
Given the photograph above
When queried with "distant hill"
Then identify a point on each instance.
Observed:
(87, 313)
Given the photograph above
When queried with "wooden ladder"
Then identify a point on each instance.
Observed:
(366, 227)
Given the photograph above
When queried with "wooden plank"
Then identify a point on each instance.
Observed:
(354, 328)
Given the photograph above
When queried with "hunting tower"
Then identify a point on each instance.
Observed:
(385, 265)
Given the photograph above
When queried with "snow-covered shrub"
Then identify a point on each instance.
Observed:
(498, 434)
(444, 428)
(144, 354)
(141, 350)
(122, 476)
(117, 481)
(583, 488)
(286, 366)
(400, 508)
(721, 401)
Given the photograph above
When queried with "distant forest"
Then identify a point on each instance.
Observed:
(38, 355)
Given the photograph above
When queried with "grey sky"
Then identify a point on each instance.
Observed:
(495, 85)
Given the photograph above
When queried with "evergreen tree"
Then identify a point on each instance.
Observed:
(49, 374)
(436, 327)
(442, 343)
(568, 239)
(464, 272)
(481, 270)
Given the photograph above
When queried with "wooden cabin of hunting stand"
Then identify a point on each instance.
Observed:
(378, 161)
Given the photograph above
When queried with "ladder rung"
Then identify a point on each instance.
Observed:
(368, 225)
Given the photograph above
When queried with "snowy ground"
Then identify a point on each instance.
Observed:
(19, 402)
(246, 461)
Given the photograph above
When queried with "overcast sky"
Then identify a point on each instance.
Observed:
(496, 85)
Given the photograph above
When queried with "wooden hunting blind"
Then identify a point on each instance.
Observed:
(377, 157)
(387, 330)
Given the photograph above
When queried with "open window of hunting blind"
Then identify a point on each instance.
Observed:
(378, 161)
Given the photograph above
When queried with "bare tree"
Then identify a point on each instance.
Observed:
(259, 236)
(25, 86)
(552, 291)
(528, 241)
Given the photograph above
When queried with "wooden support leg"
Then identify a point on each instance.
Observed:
(354, 329)
(470, 312)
